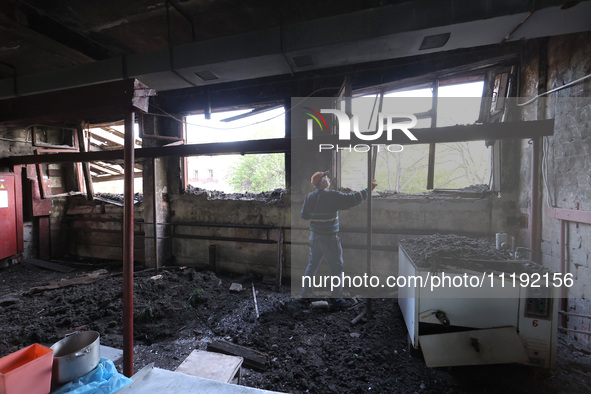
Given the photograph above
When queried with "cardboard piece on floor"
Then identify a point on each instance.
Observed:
(209, 365)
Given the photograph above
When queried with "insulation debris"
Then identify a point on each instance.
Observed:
(450, 250)
(424, 250)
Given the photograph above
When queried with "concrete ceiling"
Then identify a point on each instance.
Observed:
(176, 44)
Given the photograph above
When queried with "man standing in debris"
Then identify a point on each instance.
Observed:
(322, 207)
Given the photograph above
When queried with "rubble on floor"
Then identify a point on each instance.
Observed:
(309, 350)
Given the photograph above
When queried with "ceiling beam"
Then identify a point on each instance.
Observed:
(458, 133)
(490, 131)
(277, 145)
(44, 25)
(84, 103)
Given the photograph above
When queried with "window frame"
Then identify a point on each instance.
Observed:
(255, 108)
(486, 75)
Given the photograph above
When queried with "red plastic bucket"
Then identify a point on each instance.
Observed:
(26, 371)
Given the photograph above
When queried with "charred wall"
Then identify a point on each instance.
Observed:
(49, 241)
(565, 181)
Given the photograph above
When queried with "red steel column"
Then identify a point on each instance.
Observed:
(128, 166)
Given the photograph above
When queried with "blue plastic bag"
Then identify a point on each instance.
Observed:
(104, 379)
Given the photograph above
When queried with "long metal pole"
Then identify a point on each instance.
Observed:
(155, 218)
(431, 167)
(564, 271)
(534, 238)
(369, 224)
(128, 167)
(372, 155)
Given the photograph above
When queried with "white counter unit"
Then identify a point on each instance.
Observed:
(497, 321)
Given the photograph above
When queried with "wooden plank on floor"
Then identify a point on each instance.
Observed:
(96, 275)
(49, 265)
(210, 365)
(252, 358)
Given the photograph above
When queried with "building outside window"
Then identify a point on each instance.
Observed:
(253, 173)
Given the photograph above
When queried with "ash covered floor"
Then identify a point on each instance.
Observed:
(309, 350)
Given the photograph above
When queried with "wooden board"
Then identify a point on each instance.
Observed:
(49, 265)
(209, 365)
(252, 358)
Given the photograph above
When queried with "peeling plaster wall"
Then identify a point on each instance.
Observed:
(569, 164)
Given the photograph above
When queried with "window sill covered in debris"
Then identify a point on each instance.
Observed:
(275, 196)
(470, 192)
(280, 196)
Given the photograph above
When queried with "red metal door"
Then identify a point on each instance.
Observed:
(8, 236)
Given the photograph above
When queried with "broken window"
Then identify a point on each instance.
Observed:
(55, 180)
(230, 173)
(419, 168)
(108, 176)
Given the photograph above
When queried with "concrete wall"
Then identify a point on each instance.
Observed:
(190, 213)
(569, 165)
(397, 218)
(393, 219)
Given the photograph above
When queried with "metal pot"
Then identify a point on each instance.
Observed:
(75, 356)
